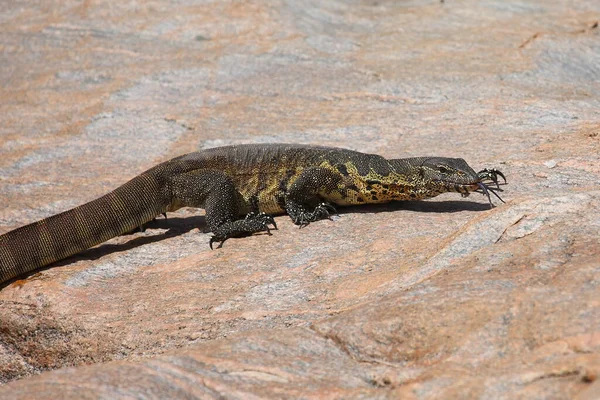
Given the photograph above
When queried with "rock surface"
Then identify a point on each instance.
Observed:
(437, 299)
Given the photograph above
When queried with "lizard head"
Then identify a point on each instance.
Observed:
(443, 175)
(431, 176)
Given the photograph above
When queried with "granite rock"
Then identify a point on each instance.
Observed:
(443, 298)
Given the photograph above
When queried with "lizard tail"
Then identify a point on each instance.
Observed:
(52, 239)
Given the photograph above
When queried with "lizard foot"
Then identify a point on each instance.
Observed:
(262, 217)
(302, 217)
(252, 223)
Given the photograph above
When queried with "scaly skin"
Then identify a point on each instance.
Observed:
(240, 187)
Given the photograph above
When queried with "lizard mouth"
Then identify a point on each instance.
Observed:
(486, 183)
(478, 187)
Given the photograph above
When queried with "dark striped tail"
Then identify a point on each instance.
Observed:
(52, 239)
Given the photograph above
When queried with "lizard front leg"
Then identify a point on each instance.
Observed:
(304, 199)
(216, 193)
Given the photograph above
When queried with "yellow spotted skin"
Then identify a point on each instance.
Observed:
(235, 185)
(355, 189)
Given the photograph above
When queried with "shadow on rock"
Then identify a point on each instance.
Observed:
(419, 206)
(178, 226)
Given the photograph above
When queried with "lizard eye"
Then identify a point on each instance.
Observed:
(443, 169)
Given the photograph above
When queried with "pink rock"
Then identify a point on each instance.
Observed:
(436, 299)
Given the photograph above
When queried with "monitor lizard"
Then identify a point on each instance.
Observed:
(241, 187)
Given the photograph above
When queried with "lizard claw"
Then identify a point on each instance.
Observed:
(215, 239)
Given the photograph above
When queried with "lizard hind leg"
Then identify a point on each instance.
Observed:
(216, 193)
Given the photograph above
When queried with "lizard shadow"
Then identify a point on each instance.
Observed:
(176, 226)
(429, 206)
